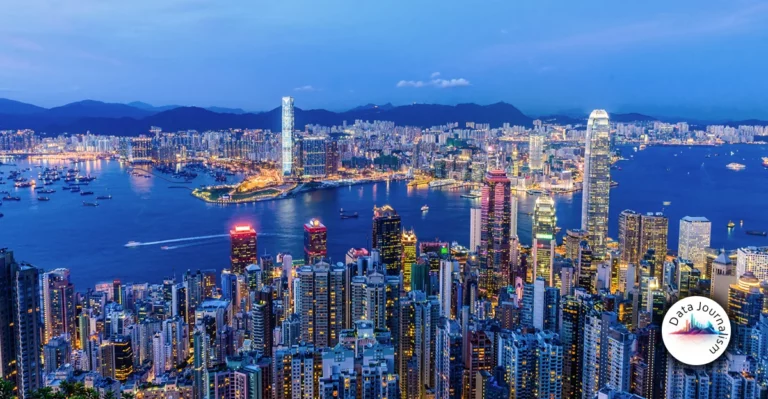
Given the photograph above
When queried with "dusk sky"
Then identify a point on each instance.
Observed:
(668, 58)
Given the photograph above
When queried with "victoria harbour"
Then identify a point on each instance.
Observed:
(91, 241)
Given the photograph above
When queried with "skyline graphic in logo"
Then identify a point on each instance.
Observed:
(695, 327)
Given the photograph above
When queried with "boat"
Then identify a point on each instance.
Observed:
(642, 147)
(86, 193)
(66, 188)
(424, 208)
(532, 191)
(349, 215)
(472, 194)
(9, 198)
(74, 189)
(43, 199)
(735, 166)
(741, 223)
(85, 203)
(132, 244)
(765, 161)
(104, 197)
(731, 224)
(757, 233)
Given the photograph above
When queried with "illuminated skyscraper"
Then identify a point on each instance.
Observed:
(536, 151)
(322, 307)
(745, 303)
(24, 290)
(58, 305)
(653, 235)
(495, 232)
(475, 228)
(629, 237)
(315, 242)
(313, 153)
(544, 222)
(244, 248)
(572, 240)
(287, 136)
(387, 238)
(597, 181)
(695, 235)
(409, 257)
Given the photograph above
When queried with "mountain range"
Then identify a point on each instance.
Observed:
(137, 117)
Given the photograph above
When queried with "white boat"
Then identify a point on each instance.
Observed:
(424, 208)
(735, 166)
(132, 244)
(441, 183)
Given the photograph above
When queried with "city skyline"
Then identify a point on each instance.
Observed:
(140, 56)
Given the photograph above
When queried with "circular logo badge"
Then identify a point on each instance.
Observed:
(696, 330)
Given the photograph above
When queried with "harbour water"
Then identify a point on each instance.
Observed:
(181, 232)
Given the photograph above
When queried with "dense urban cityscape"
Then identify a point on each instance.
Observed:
(569, 314)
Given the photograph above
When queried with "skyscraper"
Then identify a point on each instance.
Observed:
(629, 237)
(475, 227)
(287, 136)
(544, 222)
(313, 153)
(322, 296)
(597, 181)
(387, 238)
(244, 248)
(315, 242)
(536, 151)
(58, 305)
(653, 235)
(409, 241)
(745, 303)
(495, 232)
(26, 328)
(695, 234)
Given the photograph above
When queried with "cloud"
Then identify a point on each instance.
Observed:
(434, 82)
(305, 88)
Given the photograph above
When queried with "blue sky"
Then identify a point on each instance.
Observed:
(689, 58)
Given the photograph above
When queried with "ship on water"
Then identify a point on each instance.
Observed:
(735, 166)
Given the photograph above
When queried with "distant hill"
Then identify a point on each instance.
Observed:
(137, 117)
(13, 107)
(96, 109)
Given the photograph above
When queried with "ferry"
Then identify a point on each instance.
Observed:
(9, 198)
(731, 224)
(43, 199)
(104, 197)
(441, 183)
(735, 166)
(424, 208)
(642, 147)
(86, 193)
(90, 203)
(349, 215)
(132, 244)
(472, 194)
(765, 161)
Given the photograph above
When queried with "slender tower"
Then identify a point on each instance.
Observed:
(287, 159)
(597, 181)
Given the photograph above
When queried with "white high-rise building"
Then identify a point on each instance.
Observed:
(620, 342)
(695, 235)
(752, 259)
(536, 151)
(475, 227)
(513, 216)
(597, 181)
(447, 267)
(287, 136)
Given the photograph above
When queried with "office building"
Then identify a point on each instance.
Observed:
(495, 233)
(572, 240)
(544, 240)
(315, 242)
(244, 249)
(654, 229)
(409, 241)
(533, 364)
(58, 305)
(322, 298)
(536, 151)
(313, 152)
(287, 136)
(597, 181)
(475, 228)
(629, 237)
(695, 235)
(387, 238)
(752, 259)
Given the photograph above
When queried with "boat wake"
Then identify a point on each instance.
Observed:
(133, 244)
